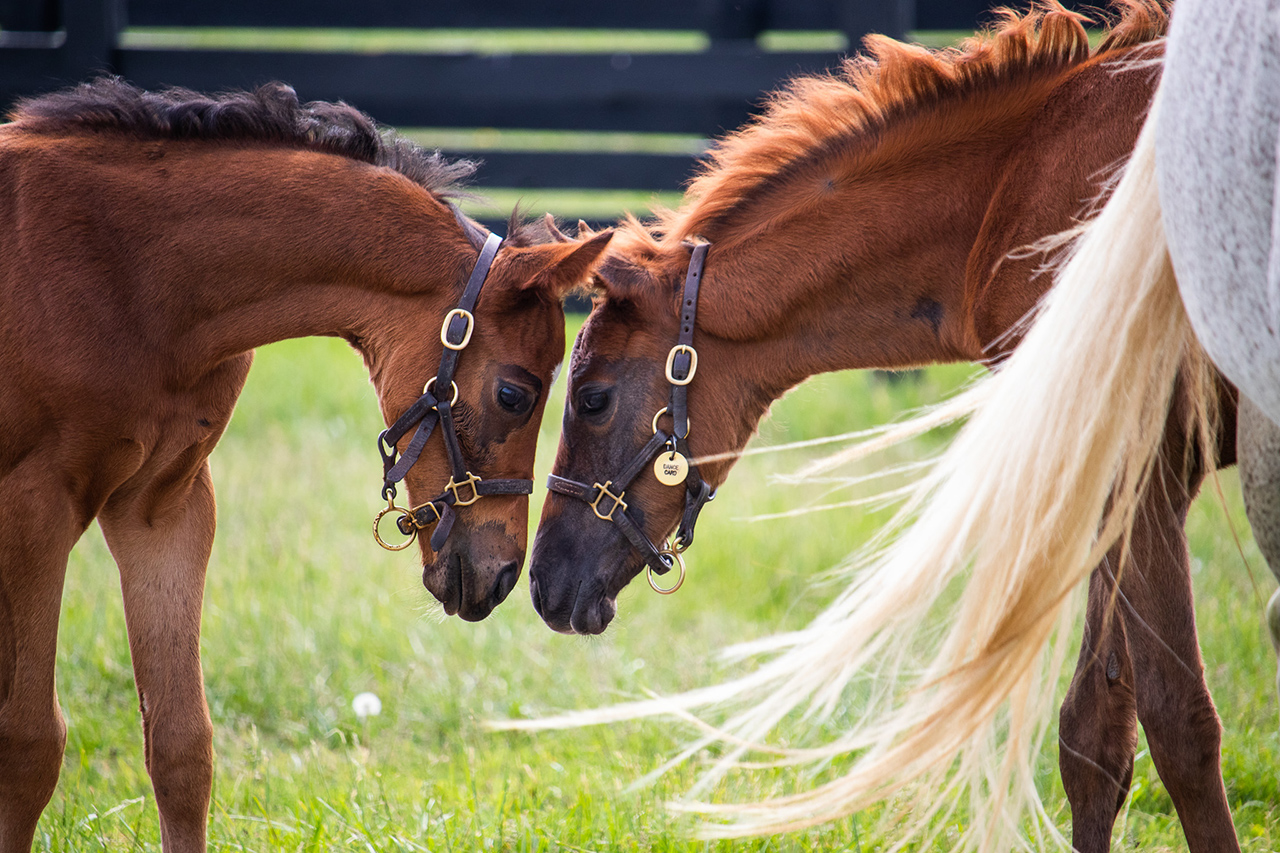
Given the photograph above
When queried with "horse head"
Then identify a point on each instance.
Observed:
(619, 427)
(468, 486)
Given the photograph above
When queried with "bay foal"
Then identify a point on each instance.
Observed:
(870, 219)
(149, 243)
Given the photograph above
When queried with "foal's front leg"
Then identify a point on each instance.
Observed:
(163, 552)
(38, 526)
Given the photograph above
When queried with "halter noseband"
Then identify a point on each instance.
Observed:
(671, 451)
(463, 488)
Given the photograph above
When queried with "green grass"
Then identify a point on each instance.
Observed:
(480, 140)
(483, 42)
(374, 40)
(488, 41)
(568, 205)
(303, 611)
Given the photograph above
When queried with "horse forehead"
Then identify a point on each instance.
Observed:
(623, 327)
(529, 333)
(603, 346)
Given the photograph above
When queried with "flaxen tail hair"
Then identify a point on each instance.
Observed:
(955, 632)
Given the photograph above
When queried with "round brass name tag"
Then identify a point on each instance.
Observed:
(670, 468)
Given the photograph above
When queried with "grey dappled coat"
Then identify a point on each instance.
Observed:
(1217, 141)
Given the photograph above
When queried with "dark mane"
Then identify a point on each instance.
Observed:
(271, 114)
(837, 117)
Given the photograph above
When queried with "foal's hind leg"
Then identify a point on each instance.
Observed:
(1258, 446)
(1174, 705)
(1098, 724)
(162, 551)
(38, 527)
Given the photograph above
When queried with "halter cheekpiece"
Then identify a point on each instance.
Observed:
(464, 488)
(668, 453)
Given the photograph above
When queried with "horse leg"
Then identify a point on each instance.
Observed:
(1258, 445)
(38, 527)
(162, 553)
(1098, 724)
(1173, 701)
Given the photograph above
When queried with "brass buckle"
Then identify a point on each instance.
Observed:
(426, 389)
(471, 481)
(617, 501)
(676, 560)
(671, 360)
(466, 336)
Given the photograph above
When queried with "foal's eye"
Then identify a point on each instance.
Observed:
(592, 402)
(513, 399)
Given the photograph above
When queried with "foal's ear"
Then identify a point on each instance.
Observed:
(621, 278)
(556, 234)
(474, 233)
(556, 268)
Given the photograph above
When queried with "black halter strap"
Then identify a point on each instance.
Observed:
(608, 499)
(464, 488)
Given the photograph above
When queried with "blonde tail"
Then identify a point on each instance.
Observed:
(1043, 479)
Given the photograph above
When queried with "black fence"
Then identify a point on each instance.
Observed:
(45, 44)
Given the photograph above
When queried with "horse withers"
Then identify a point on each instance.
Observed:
(872, 218)
(150, 242)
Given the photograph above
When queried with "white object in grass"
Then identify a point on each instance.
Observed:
(366, 705)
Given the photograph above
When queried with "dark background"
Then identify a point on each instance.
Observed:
(45, 44)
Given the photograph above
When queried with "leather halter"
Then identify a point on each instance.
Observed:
(607, 499)
(464, 488)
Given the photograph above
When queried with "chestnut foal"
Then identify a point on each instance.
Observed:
(150, 242)
(867, 219)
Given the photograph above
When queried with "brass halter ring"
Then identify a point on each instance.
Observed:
(411, 514)
(677, 561)
(404, 513)
(662, 412)
(426, 389)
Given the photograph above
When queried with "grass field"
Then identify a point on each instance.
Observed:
(303, 611)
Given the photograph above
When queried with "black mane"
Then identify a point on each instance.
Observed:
(271, 113)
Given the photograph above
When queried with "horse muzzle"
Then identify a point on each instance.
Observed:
(574, 583)
(467, 589)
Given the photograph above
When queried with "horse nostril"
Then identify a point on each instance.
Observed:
(506, 582)
(534, 593)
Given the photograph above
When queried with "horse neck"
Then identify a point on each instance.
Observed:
(876, 269)
(244, 246)
(875, 279)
